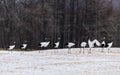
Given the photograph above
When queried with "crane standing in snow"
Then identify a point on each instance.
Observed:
(103, 46)
(109, 46)
(56, 45)
(83, 45)
(69, 45)
(107, 43)
(11, 47)
(92, 44)
(43, 44)
(24, 46)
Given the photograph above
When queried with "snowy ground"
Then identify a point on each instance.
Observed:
(59, 62)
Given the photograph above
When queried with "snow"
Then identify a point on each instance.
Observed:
(59, 62)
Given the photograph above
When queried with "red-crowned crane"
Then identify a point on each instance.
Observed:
(83, 45)
(24, 46)
(43, 44)
(106, 44)
(109, 45)
(69, 45)
(103, 46)
(11, 47)
(92, 44)
(56, 45)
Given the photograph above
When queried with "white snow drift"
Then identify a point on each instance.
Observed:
(60, 63)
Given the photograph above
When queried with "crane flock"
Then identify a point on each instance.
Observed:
(91, 44)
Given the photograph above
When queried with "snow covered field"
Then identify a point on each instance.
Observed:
(59, 62)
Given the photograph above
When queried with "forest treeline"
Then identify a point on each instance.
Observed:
(53, 20)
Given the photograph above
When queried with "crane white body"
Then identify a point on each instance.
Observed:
(90, 43)
(70, 44)
(97, 42)
(24, 46)
(83, 44)
(57, 44)
(44, 44)
(11, 47)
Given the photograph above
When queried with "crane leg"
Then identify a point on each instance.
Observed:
(69, 50)
(108, 50)
(80, 50)
(55, 51)
(102, 49)
(90, 50)
(10, 51)
(83, 50)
